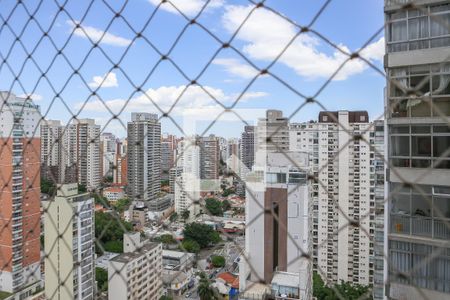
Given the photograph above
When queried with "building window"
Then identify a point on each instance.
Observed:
(420, 146)
(414, 29)
(420, 91)
(417, 211)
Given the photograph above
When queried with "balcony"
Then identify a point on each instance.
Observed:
(420, 226)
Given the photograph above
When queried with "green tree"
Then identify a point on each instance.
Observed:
(165, 298)
(108, 179)
(101, 276)
(201, 233)
(226, 205)
(122, 204)
(173, 217)
(185, 214)
(109, 232)
(218, 261)
(227, 192)
(346, 290)
(47, 187)
(214, 206)
(167, 239)
(204, 289)
(82, 188)
(190, 246)
(164, 182)
(98, 199)
(114, 246)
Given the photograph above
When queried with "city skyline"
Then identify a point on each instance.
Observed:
(357, 88)
(225, 149)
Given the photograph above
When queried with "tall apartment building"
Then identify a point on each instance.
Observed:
(278, 214)
(71, 153)
(88, 153)
(108, 150)
(20, 195)
(69, 244)
(210, 157)
(378, 242)
(136, 273)
(272, 132)
(144, 157)
(247, 151)
(186, 184)
(173, 174)
(343, 165)
(223, 146)
(120, 170)
(51, 134)
(418, 106)
(168, 154)
(233, 161)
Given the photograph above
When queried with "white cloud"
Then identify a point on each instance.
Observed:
(266, 34)
(33, 97)
(193, 98)
(106, 81)
(374, 51)
(95, 35)
(188, 7)
(236, 68)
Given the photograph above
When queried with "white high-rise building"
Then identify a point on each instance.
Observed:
(144, 157)
(72, 153)
(343, 165)
(187, 183)
(51, 133)
(278, 214)
(136, 273)
(417, 107)
(380, 189)
(108, 150)
(247, 149)
(87, 156)
(69, 245)
(233, 156)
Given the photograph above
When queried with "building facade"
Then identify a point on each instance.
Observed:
(69, 245)
(210, 157)
(186, 182)
(168, 154)
(144, 157)
(247, 149)
(108, 148)
(51, 134)
(272, 132)
(379, 166)
(20, 196)
(136, 273)
(276, 240)
(417, 105)
(342, 164)
(88, 153)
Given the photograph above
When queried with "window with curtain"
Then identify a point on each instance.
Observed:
(417, 29)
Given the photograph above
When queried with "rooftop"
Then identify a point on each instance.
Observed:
(176, 254)
(113, 189)
(127, 257)
(286, 279)
(169, 276)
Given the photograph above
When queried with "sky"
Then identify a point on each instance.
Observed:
(145, 83)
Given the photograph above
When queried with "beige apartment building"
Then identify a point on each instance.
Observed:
(69, 245)
(137, 273)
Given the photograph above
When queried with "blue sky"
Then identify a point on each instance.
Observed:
(305, 66)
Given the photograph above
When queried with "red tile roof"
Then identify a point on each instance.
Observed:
(230, 279)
